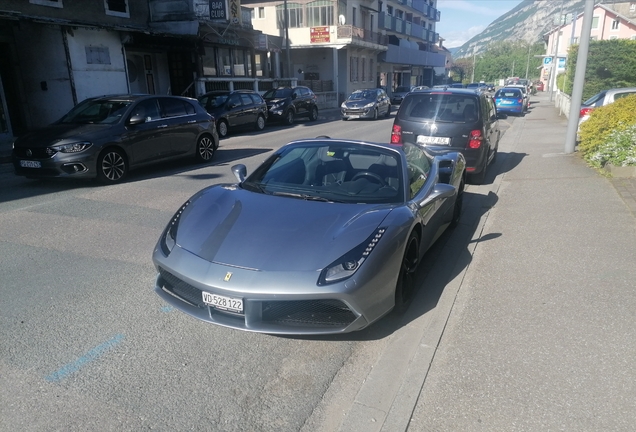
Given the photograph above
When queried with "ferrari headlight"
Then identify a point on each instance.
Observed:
(72, 148)
(169, 237)
(346, 266)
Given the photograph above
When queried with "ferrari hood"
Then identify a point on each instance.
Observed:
(231, 226)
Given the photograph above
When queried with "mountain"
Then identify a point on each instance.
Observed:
(529, 21)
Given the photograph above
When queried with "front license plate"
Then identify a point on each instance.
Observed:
(30, 164)
(422, 139)
(230, 304)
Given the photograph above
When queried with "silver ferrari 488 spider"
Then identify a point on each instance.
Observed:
(324, 237)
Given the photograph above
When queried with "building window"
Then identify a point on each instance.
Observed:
(363, 76)
(575, 40)
(371, 70)
(353, 77)
(389, 10)
(633, 37)
(117, 8)
(51, 3)
(613, 37)
(354, 15)
(615, 24)
(594, 22)
(258, 13)
(320, 13)
(295, 14)
(593, 38)
(97, 55)
(632, 7)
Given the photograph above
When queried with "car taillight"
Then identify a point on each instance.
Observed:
(396, 135)
(520, 101)
(475, 139)
(585, 111)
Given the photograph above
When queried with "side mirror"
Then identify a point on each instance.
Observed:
(240, 172)
(136, 119)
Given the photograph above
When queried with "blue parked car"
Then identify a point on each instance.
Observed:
(509, 101)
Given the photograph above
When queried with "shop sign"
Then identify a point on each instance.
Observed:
(319, 34)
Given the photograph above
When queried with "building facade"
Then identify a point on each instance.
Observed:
(352, 44)
(609, 21)
(56, 53)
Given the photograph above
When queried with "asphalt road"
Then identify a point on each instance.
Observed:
(86, 345)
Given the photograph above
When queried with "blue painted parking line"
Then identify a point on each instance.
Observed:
(90, 356)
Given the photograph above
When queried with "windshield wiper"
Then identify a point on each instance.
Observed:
(254, 187)
(305, 197)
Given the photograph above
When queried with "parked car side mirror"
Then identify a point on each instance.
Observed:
(136, 119)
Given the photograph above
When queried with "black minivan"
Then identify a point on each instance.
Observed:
(451, 120)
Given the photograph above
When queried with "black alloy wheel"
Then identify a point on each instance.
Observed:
(407, 279)
(289, 117)
(206, 147)
(313, 114)
(112, 166)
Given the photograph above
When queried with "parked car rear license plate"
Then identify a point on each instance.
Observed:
(230, 304)
(30, 164)
(423, 139)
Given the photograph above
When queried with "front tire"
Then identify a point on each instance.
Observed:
(222, 128)
(112, 166)
(405, 288)
(289, 118)
(206, 147)
(260, 123)
(313, 114)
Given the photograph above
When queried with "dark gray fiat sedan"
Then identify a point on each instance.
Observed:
(105, 137)
(324, 237)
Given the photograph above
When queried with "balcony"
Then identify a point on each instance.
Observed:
(360, 36)
(411, 56)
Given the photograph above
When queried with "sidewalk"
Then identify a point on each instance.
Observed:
(541, 332)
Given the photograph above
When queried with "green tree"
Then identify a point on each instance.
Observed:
(504, 59)
(610, 64)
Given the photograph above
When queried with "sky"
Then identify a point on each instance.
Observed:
(463, 19)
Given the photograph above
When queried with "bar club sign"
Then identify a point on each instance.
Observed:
(227, 10)
(319, 34)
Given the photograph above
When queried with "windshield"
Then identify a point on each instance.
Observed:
(360, 95)
(97, 111)
(595, 98)
(214, 101)
(442, 107)
(508, 93)
(335, 171)
(277, 93)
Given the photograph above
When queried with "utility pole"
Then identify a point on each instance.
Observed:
(513, 69)
(554, 67)
(289, 74)
(528, 61)
(472, 77)
(579, 77)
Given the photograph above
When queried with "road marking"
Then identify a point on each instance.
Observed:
(90, 356)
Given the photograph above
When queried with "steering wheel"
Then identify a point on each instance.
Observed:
(371, 175)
